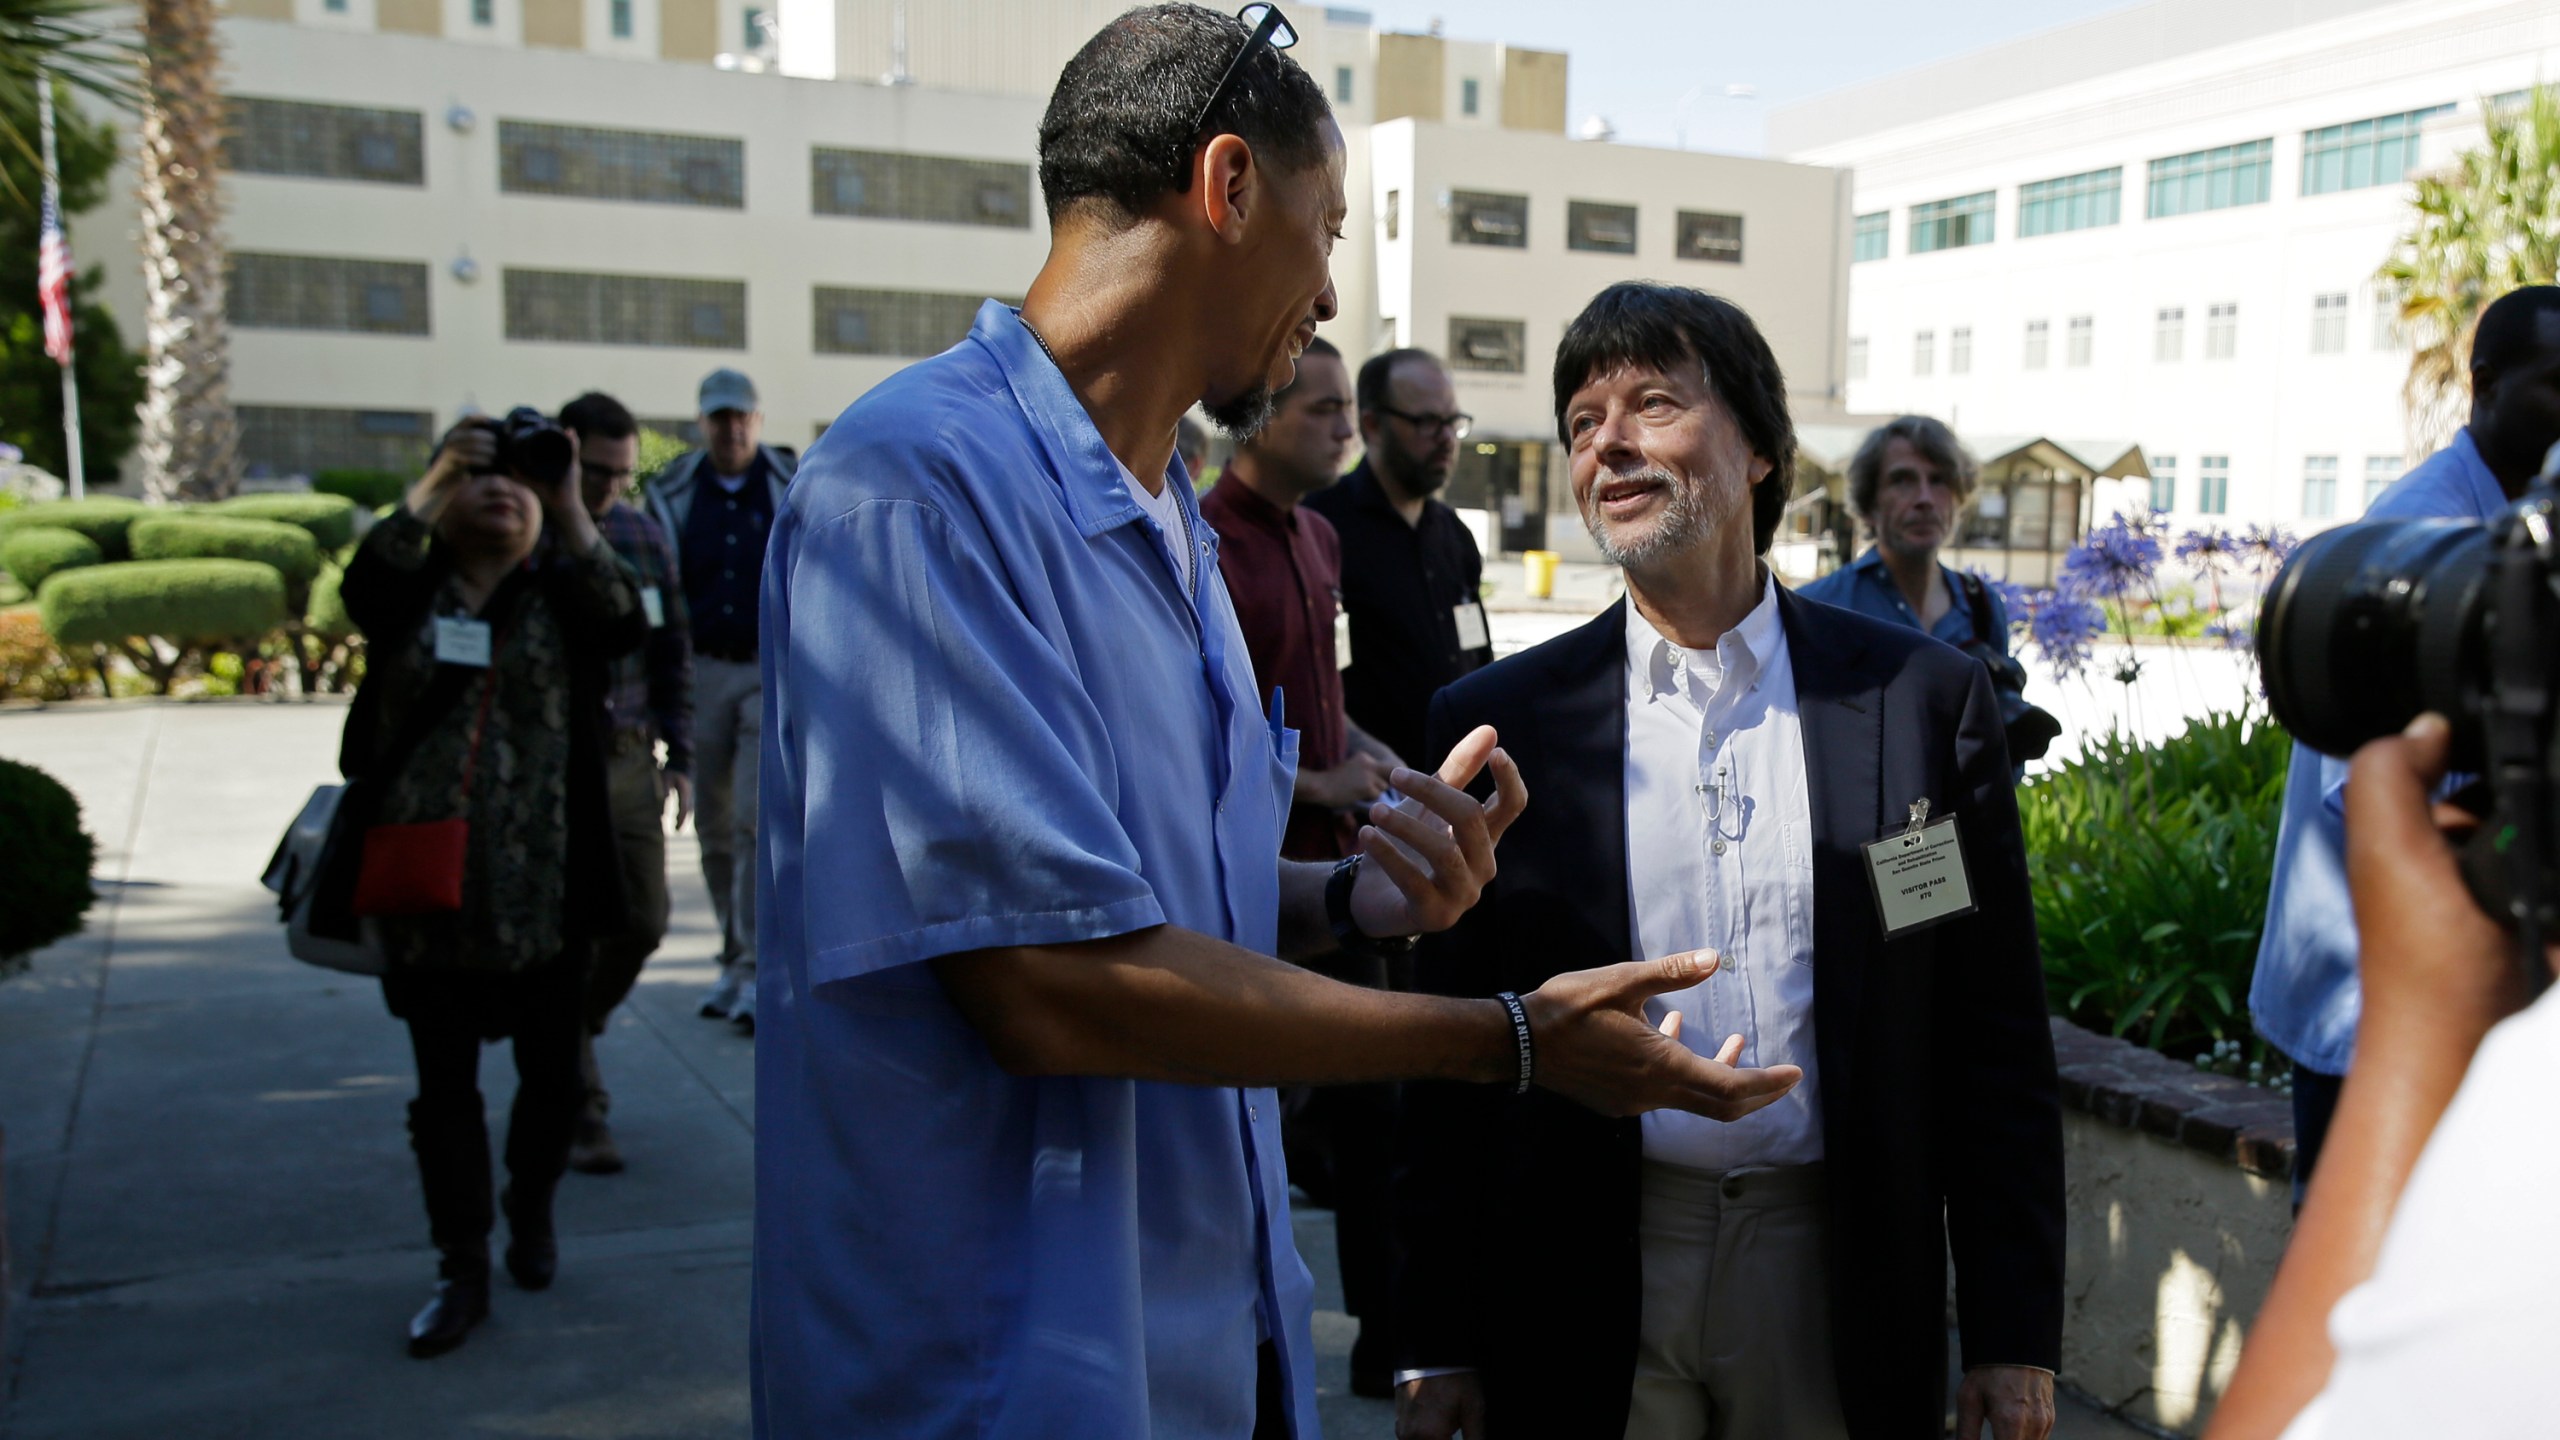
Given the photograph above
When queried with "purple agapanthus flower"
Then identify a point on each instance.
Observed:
(2232, 633)
(2065, 629)
(2209, 548)
(2267, 545)
(2116, 559)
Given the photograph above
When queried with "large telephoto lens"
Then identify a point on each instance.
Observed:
(2370, 625)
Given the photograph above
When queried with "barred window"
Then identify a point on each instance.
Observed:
(2329, 323)
(1609, 229)
(1952, 224)
(2215, 179)
(1960, 350)
(2319, 486)
(2083, 333)
(634, 165)
(1857, 357)
(2074, 202)
(2039, 343)
(304, 440)
(1498, 345)
(1700, 235)
(324, 292)
(2363, 153)
(1871, 236)
(1481, 219)
(1924, 352)
(655, 310)
(2213, 485)
(890, 185)
(892, 322)
(2169, 334)
(2164, 483)
(2222, 330)
(324, 142)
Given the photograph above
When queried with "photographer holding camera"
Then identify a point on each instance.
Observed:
(491, 608)
(1907, 483)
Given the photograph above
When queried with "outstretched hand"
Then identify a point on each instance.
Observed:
(1595, 1046)
(1431, 857)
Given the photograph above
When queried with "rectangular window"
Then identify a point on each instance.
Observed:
(2212, 179)
(2319, 486)
(2386, 318)
(1702, 235)
(1857, 357)
(1466, 97)
(1395, 213)
(2329, 323)
(306, 439)
(320, 292)
(1870, 236)
(911, 323)
(2039, 337)
(1960, 350)
(324, 142)
(1952, 224)
(2083, 339)
(1497, 345)
(893, 185)
(1924, 352)
(484, 13)
(672, 312)
(2074, 202)
(2169, 334)
(621, 11)
(335, 7)
(2363, 153)
(1341, 84)
(631, 165)
(2213, 484)
(2379, 472)
(2222, 330)
(1609, 229)
(754, 32)
(2164, 483)
(1481, 219)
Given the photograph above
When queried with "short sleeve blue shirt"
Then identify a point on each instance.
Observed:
(2304, 997)
(993, 717)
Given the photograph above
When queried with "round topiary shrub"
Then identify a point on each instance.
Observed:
(103, 518)
(371, 489)
(331, 519)
(200, 535)
(31, 555)
(186, 602)
(46, 857)
(326, 616)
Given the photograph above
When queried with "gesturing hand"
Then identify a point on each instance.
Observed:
(1594, 1045)
(2015, 1400)
(1429, 858)
(1441, 1407)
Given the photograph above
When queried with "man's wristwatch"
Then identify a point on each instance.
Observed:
(1347, 933)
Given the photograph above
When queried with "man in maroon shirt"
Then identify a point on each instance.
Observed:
(1283, 567)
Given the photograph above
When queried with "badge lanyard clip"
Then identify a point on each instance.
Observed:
(1919, 817)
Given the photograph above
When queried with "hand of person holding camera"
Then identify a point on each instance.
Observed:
(564, 510)
(469, 447)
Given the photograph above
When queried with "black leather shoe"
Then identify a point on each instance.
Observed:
(593, 1152)
(533, 1250)
(461, 1301)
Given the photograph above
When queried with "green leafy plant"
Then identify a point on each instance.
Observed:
(658, 450)
(2150, 866)
(160, 613)
(46, 856)
(371, 489)
(31, 555)
(103, 518)
(331, 519)
(201, 534)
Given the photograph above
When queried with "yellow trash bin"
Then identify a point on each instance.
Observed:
(1539, 566)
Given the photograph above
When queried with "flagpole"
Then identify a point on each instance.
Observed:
(53, 201)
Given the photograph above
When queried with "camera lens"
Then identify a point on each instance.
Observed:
(2369, 625)
(531, 447)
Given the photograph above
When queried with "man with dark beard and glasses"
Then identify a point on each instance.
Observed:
(1412, 577)
(1822, 799)
(1017, 1159)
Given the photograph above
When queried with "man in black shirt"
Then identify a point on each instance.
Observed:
(1411, 574)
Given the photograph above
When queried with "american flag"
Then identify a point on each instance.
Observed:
(53, 283)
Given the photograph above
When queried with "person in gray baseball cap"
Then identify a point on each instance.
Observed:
(717, 504)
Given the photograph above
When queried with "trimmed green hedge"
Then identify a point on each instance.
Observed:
(46, 856)
(31, 555)
(371, 489)
(187, 602)
(200, 535)
(103, 518)
(327, 616)
(331, 519)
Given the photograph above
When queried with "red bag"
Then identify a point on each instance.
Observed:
(417, 869)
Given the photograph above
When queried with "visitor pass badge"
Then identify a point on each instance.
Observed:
(1472, 634)
(655, 605)
(461, 640)
(1918, 874)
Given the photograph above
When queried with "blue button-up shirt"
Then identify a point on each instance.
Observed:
(2304, 996)
(994, 717)
(1864, 585)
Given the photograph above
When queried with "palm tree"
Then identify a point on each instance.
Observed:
(60, 38)
(190, 442)
(2486, 224)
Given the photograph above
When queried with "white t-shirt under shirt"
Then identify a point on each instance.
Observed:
(1166, 511)
(2457, 1331)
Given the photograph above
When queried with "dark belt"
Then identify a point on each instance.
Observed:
(731, 657)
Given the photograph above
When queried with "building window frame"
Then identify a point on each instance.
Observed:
(1488, 345)
(922, 189)
(1709, 235)
(637, 167)
(1470, 96)
(2380, 473)
(2039, 350)
(2086, 201)
(2164, 483)
(2319, 486)
(1857, 357)
(1960, 350)
(1924, 352)
(1490, 218)
(1955, 223)
(1601, 227)
(2361, 154)
(2169, 334)
(2225, 177)
(2222, 330)
(1871, 237)
(1342, 84)
(2329, 323)
(2081, 344)
(2213, 484)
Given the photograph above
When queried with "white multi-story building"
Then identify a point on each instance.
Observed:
(2164, 224)
(436, 204)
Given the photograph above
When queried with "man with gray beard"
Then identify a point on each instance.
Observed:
(1823, 800)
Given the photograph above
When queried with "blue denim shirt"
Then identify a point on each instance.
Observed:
(993, 717)
(1864, 585)
(2304, 996)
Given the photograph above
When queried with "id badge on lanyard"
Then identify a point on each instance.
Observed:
(1918, 874)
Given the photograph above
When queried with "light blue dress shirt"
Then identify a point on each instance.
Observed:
(1864, 585)
(2304, 996)
(993, 717)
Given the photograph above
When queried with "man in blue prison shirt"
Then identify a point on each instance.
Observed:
(1017, 1175)
(2304, 996)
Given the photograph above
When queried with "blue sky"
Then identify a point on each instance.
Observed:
(1633, 60)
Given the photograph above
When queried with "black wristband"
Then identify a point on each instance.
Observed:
(1520, 1033)
(1346, 931)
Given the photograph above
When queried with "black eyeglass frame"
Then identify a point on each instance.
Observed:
(1459, 425)
(1265, 32)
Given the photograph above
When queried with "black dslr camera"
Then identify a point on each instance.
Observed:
(2031, 729)
(2370, 625)
(532, 447)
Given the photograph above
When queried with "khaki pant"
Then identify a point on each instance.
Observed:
(1736, 1337)
(728, 730)
(637, 796)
